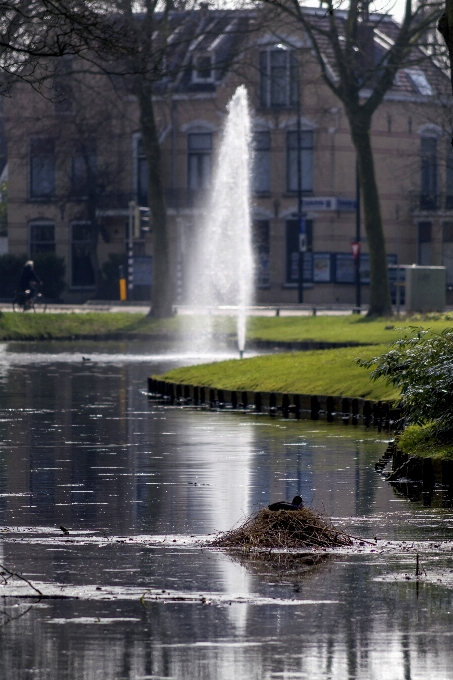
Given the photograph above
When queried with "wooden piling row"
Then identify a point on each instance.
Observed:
(287, 404)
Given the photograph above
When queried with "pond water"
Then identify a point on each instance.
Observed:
(138, 485)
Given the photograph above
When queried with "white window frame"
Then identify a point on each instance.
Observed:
(41, 222)
(203, 55)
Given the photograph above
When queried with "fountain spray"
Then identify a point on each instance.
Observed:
(222, 264)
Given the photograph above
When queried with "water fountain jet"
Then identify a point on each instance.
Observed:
(222, 266)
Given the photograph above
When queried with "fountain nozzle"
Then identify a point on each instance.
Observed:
(241, 354)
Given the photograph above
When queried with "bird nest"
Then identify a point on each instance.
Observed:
(284, 529)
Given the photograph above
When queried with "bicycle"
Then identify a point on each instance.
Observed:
(28, 299)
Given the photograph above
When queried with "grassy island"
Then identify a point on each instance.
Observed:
(334, 372)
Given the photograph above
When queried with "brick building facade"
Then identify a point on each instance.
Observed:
(59, 145)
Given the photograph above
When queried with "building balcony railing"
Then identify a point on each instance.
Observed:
(431, 202)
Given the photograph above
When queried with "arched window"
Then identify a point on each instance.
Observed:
(199, 160)
(278, 77)
(306, 160)
(42, 237)
(428, 173)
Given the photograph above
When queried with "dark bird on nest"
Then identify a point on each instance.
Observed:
(296, 504)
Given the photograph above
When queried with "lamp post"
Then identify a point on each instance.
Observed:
(300, 216)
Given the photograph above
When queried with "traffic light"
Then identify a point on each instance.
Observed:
(141, 221)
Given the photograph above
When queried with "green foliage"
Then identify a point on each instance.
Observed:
(421, 368)
(51, 269)
(110, 277)
(10, 268)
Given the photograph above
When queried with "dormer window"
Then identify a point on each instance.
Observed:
(419, 81)
(278, 78)
(203, 71)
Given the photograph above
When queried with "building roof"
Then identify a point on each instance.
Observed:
(223, 35)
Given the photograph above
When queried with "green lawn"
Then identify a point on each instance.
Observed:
(29, 325)
(331, 372)
(342, 329)
(351, 328)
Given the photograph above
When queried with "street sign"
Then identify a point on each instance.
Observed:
(355, 247)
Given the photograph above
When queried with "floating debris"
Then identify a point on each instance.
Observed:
(284, 529)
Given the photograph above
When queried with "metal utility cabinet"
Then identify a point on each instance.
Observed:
(425, 288)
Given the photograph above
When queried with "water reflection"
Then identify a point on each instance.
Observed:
(81, 446)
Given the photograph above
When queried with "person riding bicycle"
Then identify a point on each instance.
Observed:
(29, 280)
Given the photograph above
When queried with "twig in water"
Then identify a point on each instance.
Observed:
(14, 573)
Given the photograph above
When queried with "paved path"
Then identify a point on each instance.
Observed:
(183, 310)
(84, 309)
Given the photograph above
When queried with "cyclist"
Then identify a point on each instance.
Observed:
(29, 280)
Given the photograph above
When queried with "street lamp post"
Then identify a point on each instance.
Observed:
(300, 216)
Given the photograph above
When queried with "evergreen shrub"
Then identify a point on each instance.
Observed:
(49, 267)
(421, 367)
(110, 277)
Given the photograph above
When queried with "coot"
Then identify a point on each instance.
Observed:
(296, 504)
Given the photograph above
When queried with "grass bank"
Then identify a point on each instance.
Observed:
(333, 372)
(418, 440)
(341, 329)
(351, 328)
(36, 326)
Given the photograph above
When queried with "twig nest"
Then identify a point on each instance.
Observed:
(284, 529)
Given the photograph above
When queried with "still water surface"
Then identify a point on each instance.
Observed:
(138, 485)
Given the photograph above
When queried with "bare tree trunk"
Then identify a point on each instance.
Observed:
(162, 283)
(445, 28)
(380, 304)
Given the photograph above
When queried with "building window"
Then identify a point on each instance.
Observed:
(262, 162)
(419, 81)
(83, 170)
(203, 68)
(278, 78)
(42, 167)
(82, 274)
(428, 174)
(292, 251)
(447, 250)
(260, 233)
(142, 175)
(199, 160)
(42, 237)
(424, 243)
(306, 152)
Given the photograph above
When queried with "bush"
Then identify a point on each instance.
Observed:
(110, 277)
(10, 269)
(50, 268)
(421, 367)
